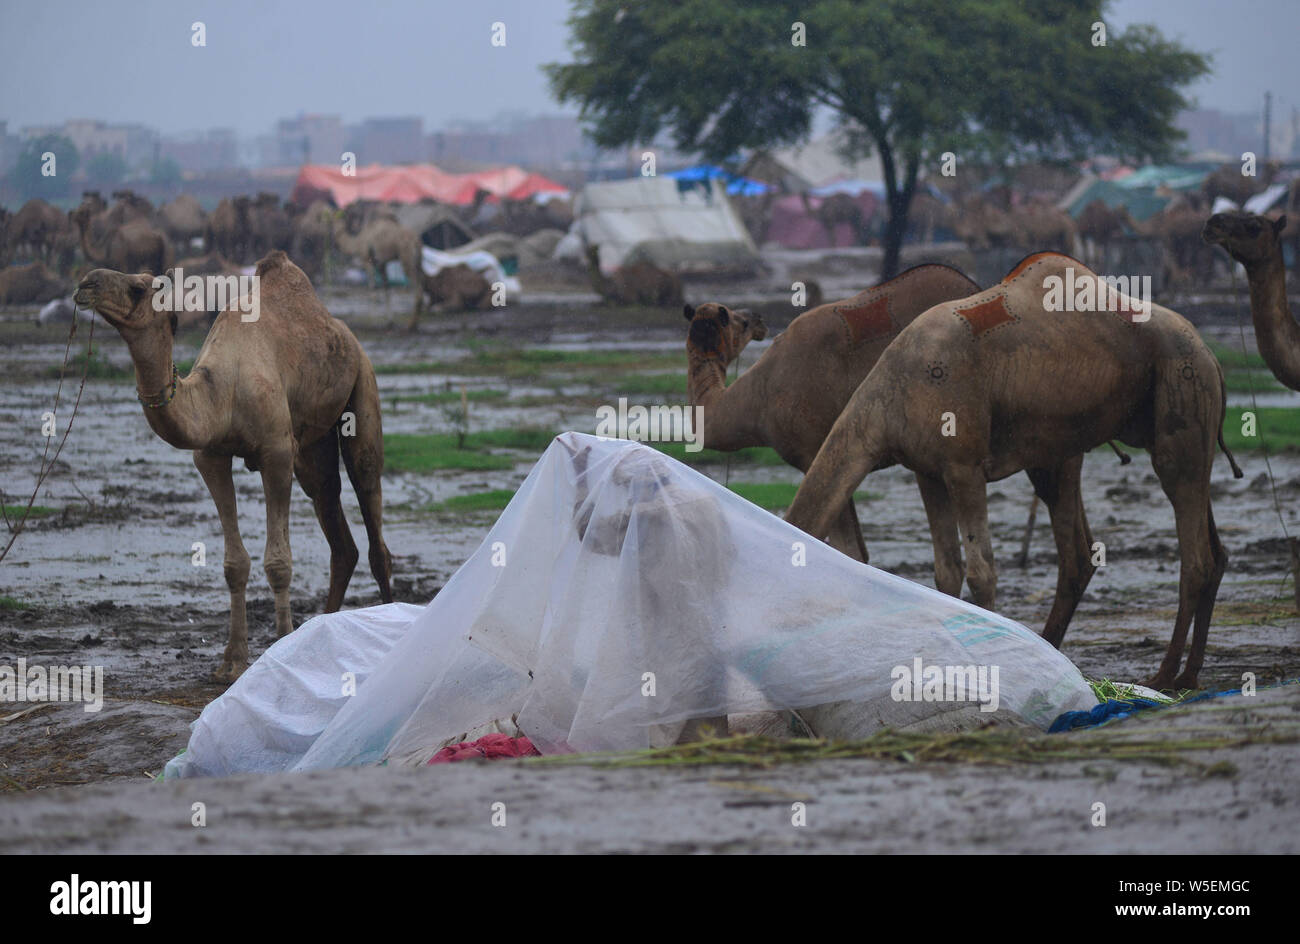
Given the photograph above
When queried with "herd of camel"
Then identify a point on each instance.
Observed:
(959, 385)
(131, 235)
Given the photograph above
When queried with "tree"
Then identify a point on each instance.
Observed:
(27, 177)
(987, 80)
(106, 169)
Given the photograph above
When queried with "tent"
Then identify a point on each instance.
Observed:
(651, 219)
(620, 596)
(703, 173)
(820, 161)
(792, 226)
(1142, 202)
(415, 182)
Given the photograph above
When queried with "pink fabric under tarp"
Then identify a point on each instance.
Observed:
(793, 227)
(412, 183)
(488, 747)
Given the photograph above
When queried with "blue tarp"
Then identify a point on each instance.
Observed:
(706, 173)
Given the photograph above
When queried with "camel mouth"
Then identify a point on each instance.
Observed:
(1214, 231)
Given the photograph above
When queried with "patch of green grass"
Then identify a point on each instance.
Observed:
(495, 500)
(428, 452)
(1276, 426)
(37, 511)
(755, 455)
(525, 363)
(1106, 689)
(773, 496)
(93, 365)
(11, 603)
(1247, 381)
(646, 385)
(1231, 357)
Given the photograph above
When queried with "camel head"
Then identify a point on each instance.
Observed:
(720, 333)
(1248, 237)
(126, 303)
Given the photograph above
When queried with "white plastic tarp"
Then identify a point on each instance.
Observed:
(652, 220)
(616, 571)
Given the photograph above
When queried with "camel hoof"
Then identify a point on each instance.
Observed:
(1160, 683)
(1185, 681)
(230, 670)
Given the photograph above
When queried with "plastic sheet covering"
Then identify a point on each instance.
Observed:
(618, 597)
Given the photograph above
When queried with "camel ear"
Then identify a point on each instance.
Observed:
(688, 311)
(724, 316)
(1279, 224)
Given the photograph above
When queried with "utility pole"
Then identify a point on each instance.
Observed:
(1268, 122)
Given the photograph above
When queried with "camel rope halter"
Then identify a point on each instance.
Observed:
(168, 392)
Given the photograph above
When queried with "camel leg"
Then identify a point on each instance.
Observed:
(1204, 609)
(967, 487)
(277, 485)
(1060, 489)
(363, 455)
(846, 534)
(216, 475)
(948, 568)
(317, 469)
(1184, 475)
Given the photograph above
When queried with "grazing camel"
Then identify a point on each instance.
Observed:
(1256, 242)
(273, 392)
(976, 390)
(773, 403)
(635, 283)
(134, 246)
(380, 242)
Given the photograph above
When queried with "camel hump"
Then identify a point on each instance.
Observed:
(1059, 258)
(273, 260)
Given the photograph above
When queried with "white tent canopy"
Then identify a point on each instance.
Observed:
(650, 219)
(620, 595)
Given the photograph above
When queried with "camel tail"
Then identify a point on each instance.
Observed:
(854, 446)
(1223, 387)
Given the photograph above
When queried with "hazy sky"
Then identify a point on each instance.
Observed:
(132, 60)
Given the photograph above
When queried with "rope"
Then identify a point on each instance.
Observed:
(17, 528)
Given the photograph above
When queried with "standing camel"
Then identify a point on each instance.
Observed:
(1256, 242)
(272, 391)
(976, 390)
(380, 242)
(791, 398)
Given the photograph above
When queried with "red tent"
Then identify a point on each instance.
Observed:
(411, 183)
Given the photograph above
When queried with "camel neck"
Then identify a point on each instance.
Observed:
(1276, 333)
(728, 423)
(173, 419)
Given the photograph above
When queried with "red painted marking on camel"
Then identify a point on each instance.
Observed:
(868, 322)
(987, 315)
(1029, 260)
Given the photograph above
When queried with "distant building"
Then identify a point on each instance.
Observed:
(200, 151)
(1216, 132)
(388, 141)
(545, 142)
(307, 139)
(134, 143)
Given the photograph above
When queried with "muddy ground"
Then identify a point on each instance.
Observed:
(107, 578)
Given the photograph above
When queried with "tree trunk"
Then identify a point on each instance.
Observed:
(898, 202)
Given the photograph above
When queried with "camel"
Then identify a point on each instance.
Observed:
(836, 209)
(227, 230)
(132, 247)
(635, 283)
(975, 390)
(183, 220)
(773, 404)
(26, 284)
(1228, 181)
(1099, 225)
(273, 392)
(38, 227)
(1256, 242)
(312, 237)
(1045, 226)
(380, 242)
(457, 288)
(268, 225)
